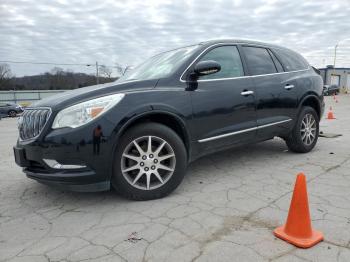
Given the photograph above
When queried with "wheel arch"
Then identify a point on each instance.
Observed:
(312, 101)
(169, 119)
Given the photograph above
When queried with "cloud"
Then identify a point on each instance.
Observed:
(127, 32)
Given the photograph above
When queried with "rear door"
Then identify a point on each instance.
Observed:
(223, 103)
(276, 98)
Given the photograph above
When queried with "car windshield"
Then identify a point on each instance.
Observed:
(159, 66)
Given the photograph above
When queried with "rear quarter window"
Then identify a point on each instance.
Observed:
(291, 61)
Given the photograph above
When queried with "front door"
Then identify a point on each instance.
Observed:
(224, 103)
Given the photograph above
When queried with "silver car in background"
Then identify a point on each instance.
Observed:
(10, 109)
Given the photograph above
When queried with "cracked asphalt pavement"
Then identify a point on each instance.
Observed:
(225, 209)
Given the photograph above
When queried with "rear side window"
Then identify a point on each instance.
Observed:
(291, 61)
(259, 61)
(229, 59)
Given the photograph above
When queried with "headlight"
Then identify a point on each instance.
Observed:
(82, 113)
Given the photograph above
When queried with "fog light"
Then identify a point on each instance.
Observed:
(54, 164)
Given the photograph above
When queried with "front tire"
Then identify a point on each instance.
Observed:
(12, 113)
(150, 162)
(304, 135)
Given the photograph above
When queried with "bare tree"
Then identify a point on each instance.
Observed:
(105, 71)
(5, 75)
(122, 69)
(57, 78)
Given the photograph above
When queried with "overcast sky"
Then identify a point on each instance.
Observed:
(127, 32)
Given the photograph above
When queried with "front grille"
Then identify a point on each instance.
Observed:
(32, 122)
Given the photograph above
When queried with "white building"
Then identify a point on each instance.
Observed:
(339, 76)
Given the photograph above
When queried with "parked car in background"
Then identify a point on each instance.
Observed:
(138, 134)
(10, 109)
(330, 90)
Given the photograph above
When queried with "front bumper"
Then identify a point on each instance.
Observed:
(64, 181)
(79, 180)
(84, 163)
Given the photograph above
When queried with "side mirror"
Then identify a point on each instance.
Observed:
(207, 68)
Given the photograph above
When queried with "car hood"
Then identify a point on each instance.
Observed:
(82, 94)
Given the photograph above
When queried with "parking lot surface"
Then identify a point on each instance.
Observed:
(225, 209)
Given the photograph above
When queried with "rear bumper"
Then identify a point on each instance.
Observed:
(323, 105)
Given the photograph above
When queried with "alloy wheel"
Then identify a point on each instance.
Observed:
(148, 162)
(308, 129)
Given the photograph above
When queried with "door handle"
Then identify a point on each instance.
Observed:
(247, 93)
(288, 87)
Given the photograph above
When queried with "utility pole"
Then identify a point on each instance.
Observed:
(335, 57)
(335, 54)
(97, 80)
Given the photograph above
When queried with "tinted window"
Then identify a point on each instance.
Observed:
(259, 61)
(292, 61)
(277, 62)
(229, 59)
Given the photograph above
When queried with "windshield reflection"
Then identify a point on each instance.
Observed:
(159, 66)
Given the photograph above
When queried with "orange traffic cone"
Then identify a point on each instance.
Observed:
(298, 230)
(330, 114)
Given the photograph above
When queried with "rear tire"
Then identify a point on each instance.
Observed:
(144, 172)
(304, 135)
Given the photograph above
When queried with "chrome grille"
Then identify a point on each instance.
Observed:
(32, 122)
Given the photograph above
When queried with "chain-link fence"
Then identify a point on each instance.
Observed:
(26, 97)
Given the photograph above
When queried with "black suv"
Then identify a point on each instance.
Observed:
(330, 90)
(139, 133)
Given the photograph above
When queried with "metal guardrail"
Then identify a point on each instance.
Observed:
(26, 96)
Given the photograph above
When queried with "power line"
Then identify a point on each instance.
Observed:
(42, 63)
(49, 63)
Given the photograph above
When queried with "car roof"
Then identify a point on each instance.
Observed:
(228, 41)
(240, 41)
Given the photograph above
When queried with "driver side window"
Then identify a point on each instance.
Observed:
(229, 59)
